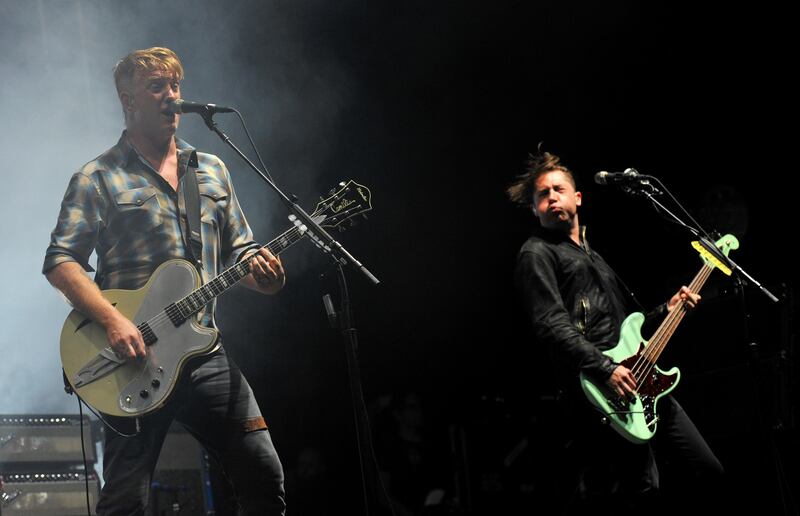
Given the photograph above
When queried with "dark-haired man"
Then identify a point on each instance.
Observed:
(576, 304)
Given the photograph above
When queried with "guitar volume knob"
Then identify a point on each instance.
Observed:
(144, 393)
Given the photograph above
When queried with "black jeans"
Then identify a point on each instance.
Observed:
(215, 403)
(615, 474)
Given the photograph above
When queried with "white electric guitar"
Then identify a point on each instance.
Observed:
(165, 311)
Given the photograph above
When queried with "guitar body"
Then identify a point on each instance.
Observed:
(634, 420)
(138, 386)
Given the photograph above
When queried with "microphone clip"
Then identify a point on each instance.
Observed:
(642, 188)
(630, 182)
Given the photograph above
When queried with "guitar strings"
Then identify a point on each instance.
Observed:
(161, 318)
(649, 356)
(658, 341)
(695, 286)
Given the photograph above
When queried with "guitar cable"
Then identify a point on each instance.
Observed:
(81, 403)
(85, 464)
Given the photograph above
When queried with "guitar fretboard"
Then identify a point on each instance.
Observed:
(179, 311)
(667, 328)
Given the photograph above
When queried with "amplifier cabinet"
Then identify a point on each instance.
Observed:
(48, 494)
(44, 442)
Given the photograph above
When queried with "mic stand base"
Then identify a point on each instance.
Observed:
(371, 481)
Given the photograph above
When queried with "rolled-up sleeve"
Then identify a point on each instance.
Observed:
(236, 236)
(79, 223)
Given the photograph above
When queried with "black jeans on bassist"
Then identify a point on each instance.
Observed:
(613, 474)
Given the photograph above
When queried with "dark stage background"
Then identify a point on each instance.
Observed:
(437, 106)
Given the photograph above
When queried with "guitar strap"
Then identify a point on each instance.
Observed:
(191, 198)
(650, 316)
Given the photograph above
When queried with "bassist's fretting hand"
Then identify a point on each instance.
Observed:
(685, 294)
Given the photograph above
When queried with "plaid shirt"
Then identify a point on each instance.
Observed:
(120, 207)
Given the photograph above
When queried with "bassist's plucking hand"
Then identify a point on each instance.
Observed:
(622, 382)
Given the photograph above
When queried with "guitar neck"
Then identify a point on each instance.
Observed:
(667, 328)
(349, 200)
(191, 304)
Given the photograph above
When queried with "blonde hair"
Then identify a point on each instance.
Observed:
(154, 58)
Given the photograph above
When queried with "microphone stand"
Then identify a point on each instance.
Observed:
(328, 244)
(340, 257)
(648, 190)
(644, 188)
(342, 319)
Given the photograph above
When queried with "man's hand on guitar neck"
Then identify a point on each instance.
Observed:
(266, 272)
(684, 294)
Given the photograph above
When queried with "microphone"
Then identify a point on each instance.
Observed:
(630, 175)
(178, 106)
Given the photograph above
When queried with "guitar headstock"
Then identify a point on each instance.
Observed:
(343, 204)
(727, 244)
(717, 254)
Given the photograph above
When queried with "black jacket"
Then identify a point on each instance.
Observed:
(575, 301)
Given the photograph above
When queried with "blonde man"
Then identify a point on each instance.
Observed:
(131, 239)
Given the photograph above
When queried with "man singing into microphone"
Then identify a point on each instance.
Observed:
(128, 206)
(576, 304)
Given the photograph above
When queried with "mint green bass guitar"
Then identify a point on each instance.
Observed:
(635, 419)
